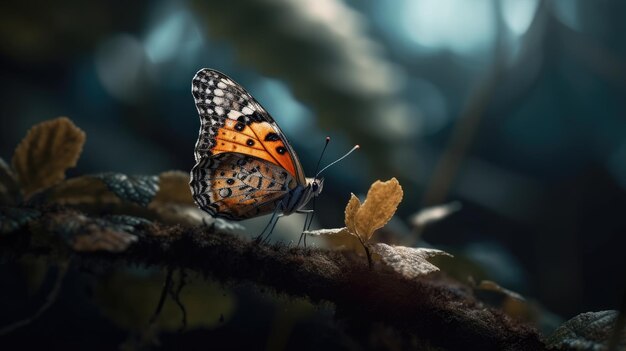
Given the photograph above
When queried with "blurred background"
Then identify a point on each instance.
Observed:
(514, 108)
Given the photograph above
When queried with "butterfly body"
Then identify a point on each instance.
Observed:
(245, 166)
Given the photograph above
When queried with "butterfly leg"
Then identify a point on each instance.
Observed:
(270, 226)
(307, 224)
(266, 240)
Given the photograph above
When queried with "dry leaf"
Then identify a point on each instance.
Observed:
(434, 214)
(340, 238)
(174, 188)
(79, 191)
(488, 285)
(102, 189)
(510, 302)
(350, 213)
(362, 220)
(103, 240)
(46, 152)
(409, 261)
(379, 206)
(87, 234)
(139, 189)
(9, 187)
(587, 331)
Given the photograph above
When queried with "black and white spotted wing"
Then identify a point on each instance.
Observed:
(219, 98)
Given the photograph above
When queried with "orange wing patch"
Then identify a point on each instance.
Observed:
(258, 139)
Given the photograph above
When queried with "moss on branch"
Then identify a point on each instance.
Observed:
(433, 308)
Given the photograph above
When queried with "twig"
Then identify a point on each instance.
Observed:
(176, 298)
(167, 285)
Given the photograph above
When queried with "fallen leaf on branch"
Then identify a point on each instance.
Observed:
(174, 188)
(80, 191)
(138, 189)
(587, 331)
(85, 234)
(103, 240)
(488, 285)
(409, 261)
(362, 220)
(340, 238)
(46, 152)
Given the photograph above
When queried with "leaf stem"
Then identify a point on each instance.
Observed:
(367, 251)
(369, 256)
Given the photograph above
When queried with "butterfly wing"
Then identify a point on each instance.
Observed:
(235, 186)
(233, 121)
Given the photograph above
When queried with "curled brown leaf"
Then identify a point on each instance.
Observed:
(174, 188)
(350, 213)
(46, 152)
(380, 205)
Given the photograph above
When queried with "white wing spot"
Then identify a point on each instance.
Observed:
(218, 92)
(221, 85)
(207, 101)
(247, 111)
(218, 100)
(234, 114)
(219, 110)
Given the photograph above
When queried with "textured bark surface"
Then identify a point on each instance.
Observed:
(433, 308)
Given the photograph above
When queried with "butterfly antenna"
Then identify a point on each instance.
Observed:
(322, 155)
(339, 159)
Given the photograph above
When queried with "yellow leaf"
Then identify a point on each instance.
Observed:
(46, 152)
(379, 206)
(351, 210)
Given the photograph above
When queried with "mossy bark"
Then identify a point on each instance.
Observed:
(433, 308)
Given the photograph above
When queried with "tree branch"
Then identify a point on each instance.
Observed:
(432, 308)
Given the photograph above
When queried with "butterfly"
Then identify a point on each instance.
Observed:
(245, 167)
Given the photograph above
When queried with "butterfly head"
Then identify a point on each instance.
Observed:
(316, 185)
